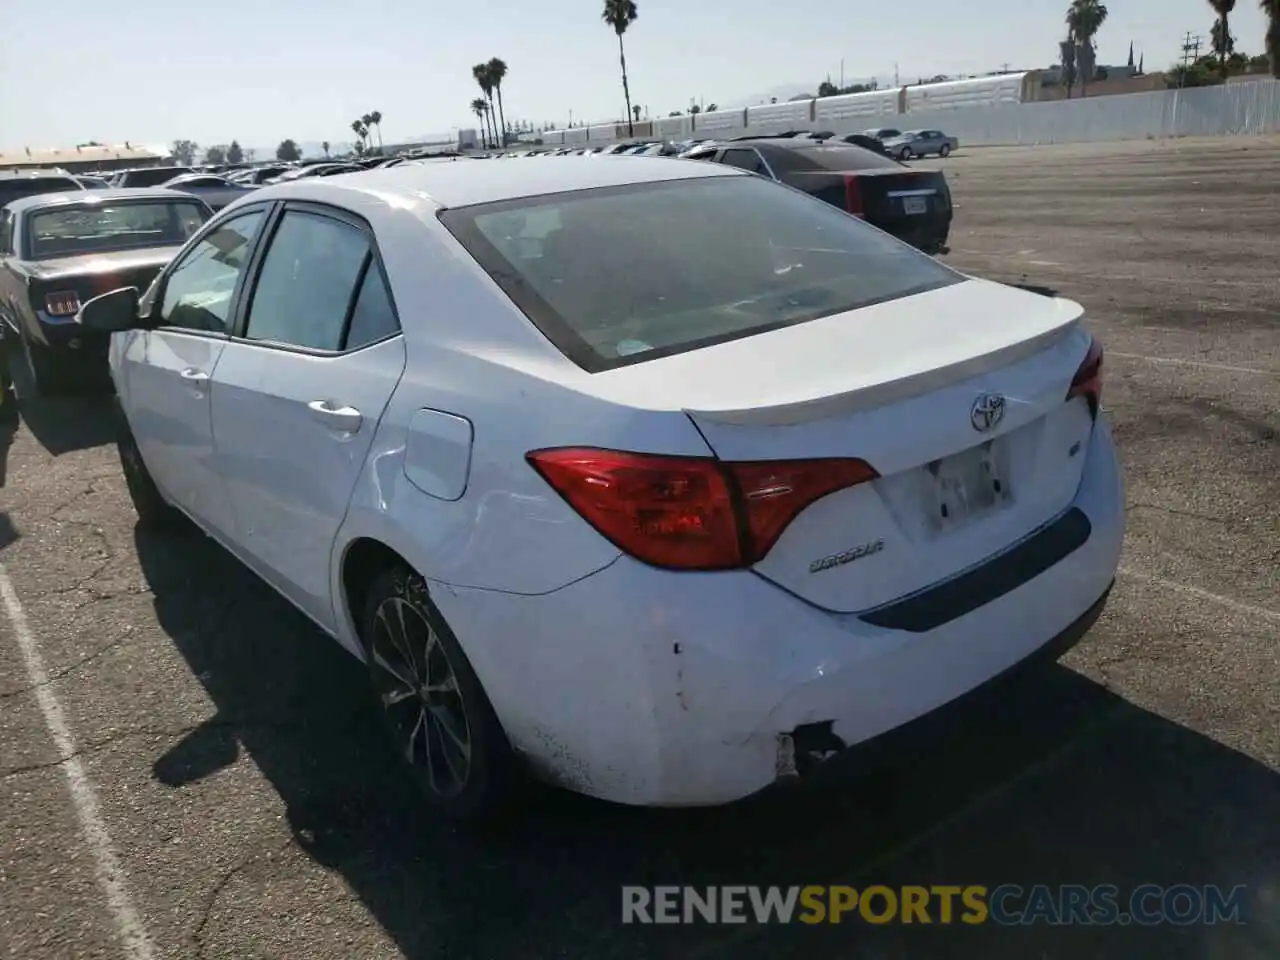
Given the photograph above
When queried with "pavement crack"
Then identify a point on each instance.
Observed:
(1193, 514)
(51, 678)
(199, 934)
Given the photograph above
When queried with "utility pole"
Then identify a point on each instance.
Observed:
(1190, 53)
(895, 75)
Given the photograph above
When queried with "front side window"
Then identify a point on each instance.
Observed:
(631, 273)
(307, 282)
(76, 229)
(199, 289)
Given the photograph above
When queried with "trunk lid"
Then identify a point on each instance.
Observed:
(91, 274)
(896, 384)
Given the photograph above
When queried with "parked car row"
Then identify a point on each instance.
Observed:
(656, 479)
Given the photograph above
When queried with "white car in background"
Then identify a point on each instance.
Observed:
(658, 479)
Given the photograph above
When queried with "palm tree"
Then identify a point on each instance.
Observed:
(1067, 49)
(620, 14)
(325, 147)
(1272, 9)
(1085, 18)
(498, 73)
(481, 72)
(479, 108)
(375, 118)
(1223, 42)
(360, 130)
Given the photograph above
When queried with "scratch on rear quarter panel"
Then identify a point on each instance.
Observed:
(556, 765)
(684, 705)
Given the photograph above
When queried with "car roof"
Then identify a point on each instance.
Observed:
(462, 183)
(41, 200)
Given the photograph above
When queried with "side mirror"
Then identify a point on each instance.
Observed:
(111, 312)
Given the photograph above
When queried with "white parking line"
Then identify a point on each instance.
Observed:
(1239, 606)
(1194, 363)
(129, 927)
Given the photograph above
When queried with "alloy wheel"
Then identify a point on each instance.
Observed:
(420, 696)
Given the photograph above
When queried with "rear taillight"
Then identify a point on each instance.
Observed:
(691, 513)
(853, 196)
(64, 303)
(1087, 382)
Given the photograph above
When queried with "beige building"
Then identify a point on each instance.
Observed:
(82, 159)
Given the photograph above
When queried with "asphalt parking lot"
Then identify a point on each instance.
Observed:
(250, 809)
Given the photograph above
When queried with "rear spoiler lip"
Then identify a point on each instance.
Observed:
(881, 394)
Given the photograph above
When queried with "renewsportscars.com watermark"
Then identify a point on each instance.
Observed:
(1006, 905)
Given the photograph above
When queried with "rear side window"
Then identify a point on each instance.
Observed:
(308, 279)
(373, 317)
(152, 177)
(743, 159)
(621, 275)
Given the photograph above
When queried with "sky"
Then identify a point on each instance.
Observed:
(258, 71)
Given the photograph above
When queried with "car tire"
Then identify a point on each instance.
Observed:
(944, 151)
(152, 509)
(905, 154)
(433, 706)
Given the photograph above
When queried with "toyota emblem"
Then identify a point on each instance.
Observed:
(987, 412)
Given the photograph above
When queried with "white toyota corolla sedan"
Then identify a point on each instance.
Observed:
(658, 479)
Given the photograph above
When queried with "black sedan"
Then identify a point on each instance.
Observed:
(58, 250)
(912, 204)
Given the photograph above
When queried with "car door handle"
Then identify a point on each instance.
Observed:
(195, 377)
(347, 419)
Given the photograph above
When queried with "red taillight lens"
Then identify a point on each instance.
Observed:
(1088, 379)
(853, 196)
(65, 303)
(691, 513)
(775, 491)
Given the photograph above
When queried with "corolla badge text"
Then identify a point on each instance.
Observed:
(848, 556)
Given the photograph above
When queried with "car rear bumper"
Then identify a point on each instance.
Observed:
(645, 686)
(66, 335)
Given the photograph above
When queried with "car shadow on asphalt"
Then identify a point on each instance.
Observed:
(60, 424)
(1045, 778)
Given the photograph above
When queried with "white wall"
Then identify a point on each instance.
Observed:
(1232, 109)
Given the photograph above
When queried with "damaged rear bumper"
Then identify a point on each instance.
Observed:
(648, 687)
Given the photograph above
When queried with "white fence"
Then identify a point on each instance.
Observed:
(1251, 107)
(1229, 110)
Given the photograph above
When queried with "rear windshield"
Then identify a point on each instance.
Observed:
(621, 275)
(152, 177)
(101, 228)
(11, 190)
